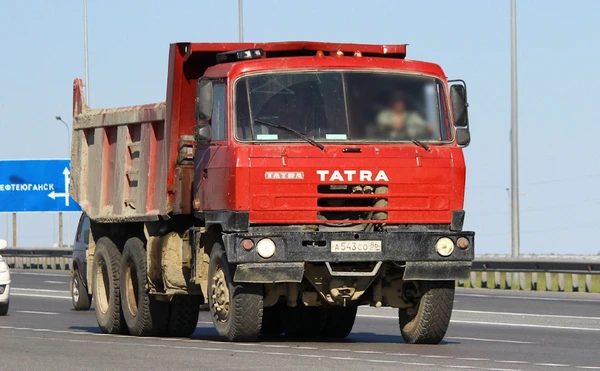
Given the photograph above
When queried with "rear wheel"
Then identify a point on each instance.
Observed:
(79, 293)
(183, 316)
(427, 321)
(303, 321)
(105, 287)
(339, 323)
(271, 321)
(4, 308)
(143, 314)
(236, 308)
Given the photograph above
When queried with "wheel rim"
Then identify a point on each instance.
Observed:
(131, 290)
(220, 295)
(101, 289)
(75, 289)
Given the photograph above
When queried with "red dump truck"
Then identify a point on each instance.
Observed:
(283, 184)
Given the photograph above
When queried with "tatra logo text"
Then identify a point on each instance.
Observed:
(352, 175)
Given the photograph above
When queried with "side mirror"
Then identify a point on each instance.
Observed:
(203, 133)
(86, 237)
(463, 137)
(458, 96)
(204, 100)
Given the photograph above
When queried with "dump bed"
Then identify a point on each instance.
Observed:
(136, 163)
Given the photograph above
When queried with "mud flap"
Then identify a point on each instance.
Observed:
(269, 272)
(437, 271)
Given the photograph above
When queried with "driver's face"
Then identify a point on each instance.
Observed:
(399, 106)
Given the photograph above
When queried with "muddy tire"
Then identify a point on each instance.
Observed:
(339, 322)
(427, 322)
(183, 316)
(271, 321)
(4, 308)
(303, 322)
(236, 308)
(144, 315)
(105, 287)
(79, 294)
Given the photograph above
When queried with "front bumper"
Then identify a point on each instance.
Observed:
(396, 246)
(5, 284)
(413, 250)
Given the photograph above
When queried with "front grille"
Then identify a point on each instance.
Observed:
(352, 202)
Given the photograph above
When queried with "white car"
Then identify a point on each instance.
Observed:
(4, 286)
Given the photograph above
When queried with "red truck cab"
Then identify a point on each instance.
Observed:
(301, 179)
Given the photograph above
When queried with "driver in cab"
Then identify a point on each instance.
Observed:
(398, 123)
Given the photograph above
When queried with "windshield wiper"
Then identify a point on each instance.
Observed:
(299, 134)
(421, 144)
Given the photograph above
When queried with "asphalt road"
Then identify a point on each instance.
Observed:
(490, 330)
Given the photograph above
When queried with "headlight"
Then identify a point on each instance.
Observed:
(265, 248)
(444, 246)
(3, 266)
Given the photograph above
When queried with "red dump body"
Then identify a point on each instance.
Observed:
(137, 163)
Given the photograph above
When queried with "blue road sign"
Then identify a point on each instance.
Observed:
(35, 186)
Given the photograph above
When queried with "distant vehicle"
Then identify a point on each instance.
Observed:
(4, 286)
(80, 295)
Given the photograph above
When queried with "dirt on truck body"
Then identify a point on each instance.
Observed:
(283, 184)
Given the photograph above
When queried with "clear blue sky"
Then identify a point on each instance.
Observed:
(42, 52)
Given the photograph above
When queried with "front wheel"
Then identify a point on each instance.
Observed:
(236, 308)
(79, 293)
(427, 321)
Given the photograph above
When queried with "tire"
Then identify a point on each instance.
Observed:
(183, 317)
(143, 314)
(79, 293)
(105, 287)
(427, 322)
(236, 308)
(4, 308)
(271, 321)
(302, 321)
(339, 322)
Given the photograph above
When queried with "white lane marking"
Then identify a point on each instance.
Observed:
(337, 350)
(527, 325)
(366, 351)
(17, 289)
(310, 355)
(40, 296)
(34, 312)
(551, 364)
(498, 324)
(205, 322)
(523, 314)
(403, 354)
(428, 356)
(491, 340)
(569, 299)
(307, 348)
(275, 346)
(589, 367)
(38, 274)
(473, 359)
(57, 282)
(516, 362)
(380, 361)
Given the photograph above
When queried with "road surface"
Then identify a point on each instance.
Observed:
(490, 330)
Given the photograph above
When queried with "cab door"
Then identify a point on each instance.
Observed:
(210, 160)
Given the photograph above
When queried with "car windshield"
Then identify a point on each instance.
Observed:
(341, 106)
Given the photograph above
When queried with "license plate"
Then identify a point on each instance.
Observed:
(356, 246)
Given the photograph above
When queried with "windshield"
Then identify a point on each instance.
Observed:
(340, 106)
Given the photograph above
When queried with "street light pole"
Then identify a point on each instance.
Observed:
(241, 20)
(60, 214)
(514, 144)
(85, 49)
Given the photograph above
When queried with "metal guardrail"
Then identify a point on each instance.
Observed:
(38, 258)
(524, 273)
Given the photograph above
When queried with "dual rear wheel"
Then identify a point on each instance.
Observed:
(123, 303)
